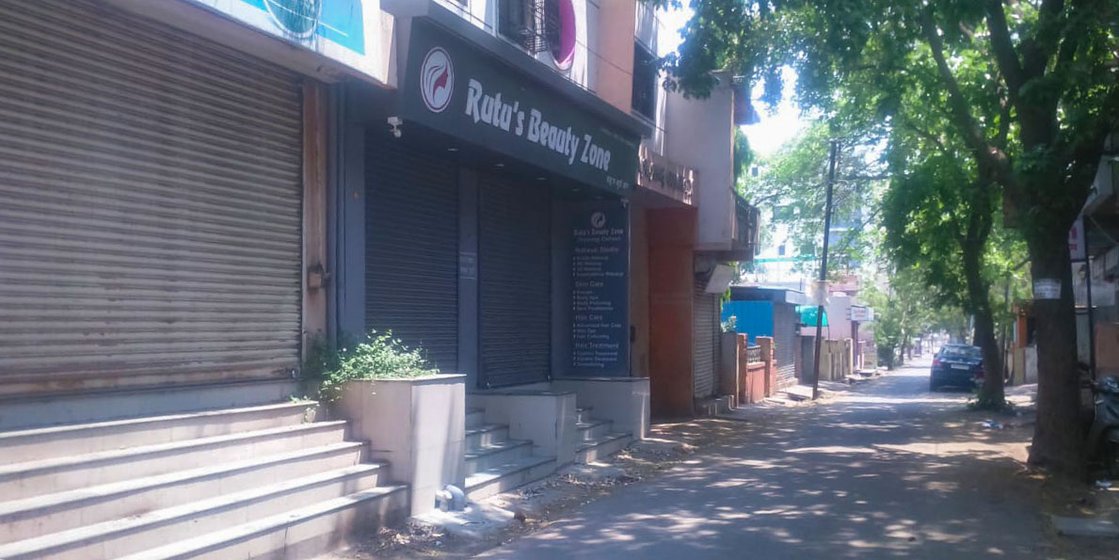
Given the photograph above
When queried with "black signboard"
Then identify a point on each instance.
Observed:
(453, 87)
(599, 289)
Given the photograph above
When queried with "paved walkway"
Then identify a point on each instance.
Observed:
(885, 471)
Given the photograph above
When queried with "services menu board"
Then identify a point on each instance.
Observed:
(599, 289)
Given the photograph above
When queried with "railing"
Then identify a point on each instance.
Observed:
(753, 354)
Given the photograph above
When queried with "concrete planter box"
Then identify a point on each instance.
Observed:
(416, 425)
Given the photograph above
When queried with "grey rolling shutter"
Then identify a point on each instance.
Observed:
(784, 330)
(515, 274)
(412, 248)
(704, 328)
(150, 200)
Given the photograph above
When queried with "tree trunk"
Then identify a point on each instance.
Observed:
(1058, 443)
(991, 394)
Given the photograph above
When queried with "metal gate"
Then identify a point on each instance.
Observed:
(515, 275)
(411, 279)
(705, 331)
(150, 200)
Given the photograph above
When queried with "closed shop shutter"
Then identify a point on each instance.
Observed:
(515, 273)
(705, 331)
(412, 248)
(150, 200)
(785, 320)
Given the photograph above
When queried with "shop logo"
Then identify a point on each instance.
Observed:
(297, 18)
(598, 220)
(437, 80)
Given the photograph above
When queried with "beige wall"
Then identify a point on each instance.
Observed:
(700, 135)
(615, 47)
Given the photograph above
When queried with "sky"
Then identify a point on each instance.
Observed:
(778, 125)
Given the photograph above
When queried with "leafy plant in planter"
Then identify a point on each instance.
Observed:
(378, 356)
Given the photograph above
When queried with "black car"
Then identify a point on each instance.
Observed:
(956, 365)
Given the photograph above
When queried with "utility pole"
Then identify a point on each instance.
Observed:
(822, 288)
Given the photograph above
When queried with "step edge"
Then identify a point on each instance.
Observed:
(15, 469)
(138, 421)
(490, 476)
(171, 479)
(259, 527)
(209, 506)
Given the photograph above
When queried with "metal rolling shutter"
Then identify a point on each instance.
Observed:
(150, 199)
(784, 337)
(411, 263)
(515, 273)
(705, 327)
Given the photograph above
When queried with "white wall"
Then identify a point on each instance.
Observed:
(699, 133)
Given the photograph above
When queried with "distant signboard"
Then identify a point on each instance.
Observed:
(860, 314)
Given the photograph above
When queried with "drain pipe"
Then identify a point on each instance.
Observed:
(450, 498)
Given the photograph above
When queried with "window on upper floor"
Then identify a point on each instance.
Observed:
(644, 81)
(540, 26)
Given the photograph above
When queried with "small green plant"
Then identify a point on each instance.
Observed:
(378, 356)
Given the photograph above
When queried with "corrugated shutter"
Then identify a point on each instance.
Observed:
(785, 319)
(705, 329)
(515, 273)
(412, 248)
(150, 199)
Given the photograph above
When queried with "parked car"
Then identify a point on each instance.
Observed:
(956, 365)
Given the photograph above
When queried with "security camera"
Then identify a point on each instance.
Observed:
(395, 123)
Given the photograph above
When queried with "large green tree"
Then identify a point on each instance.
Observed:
(1033, 124)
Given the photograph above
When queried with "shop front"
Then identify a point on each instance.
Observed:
(496, 231)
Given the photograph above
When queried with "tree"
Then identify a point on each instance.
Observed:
(1050, 84)
(792, 184)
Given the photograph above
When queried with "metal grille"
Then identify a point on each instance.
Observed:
(515, 273)
(705, 330)
(150, 199)
(412, 248)
(532, 24)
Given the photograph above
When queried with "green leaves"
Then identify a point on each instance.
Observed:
(378, 356)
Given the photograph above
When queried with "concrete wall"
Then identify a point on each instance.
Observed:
(700, 134)
(839, 311)
(615, 42)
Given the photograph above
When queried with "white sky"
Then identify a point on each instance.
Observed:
(775, 128)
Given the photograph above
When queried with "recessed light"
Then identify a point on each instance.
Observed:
(499, 165)
(541, 178)
(452, 149)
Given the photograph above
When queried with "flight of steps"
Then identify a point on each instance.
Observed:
(597, 438)
(257, 480)
(495, 463)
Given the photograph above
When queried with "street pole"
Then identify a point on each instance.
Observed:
(822, 288)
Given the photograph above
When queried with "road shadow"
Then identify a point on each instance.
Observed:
(886, 471)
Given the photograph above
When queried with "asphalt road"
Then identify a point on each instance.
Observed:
(885, 471)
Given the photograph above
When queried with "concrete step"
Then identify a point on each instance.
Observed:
(475, 417)
(23, 480)
(602, 447)
(302, 533)
(483, 458)
(508, 476)
(75, 439)
(52, 513)
(136, 534)
(583, 415)
(593, 430)
(98, 406)
(486, 434)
